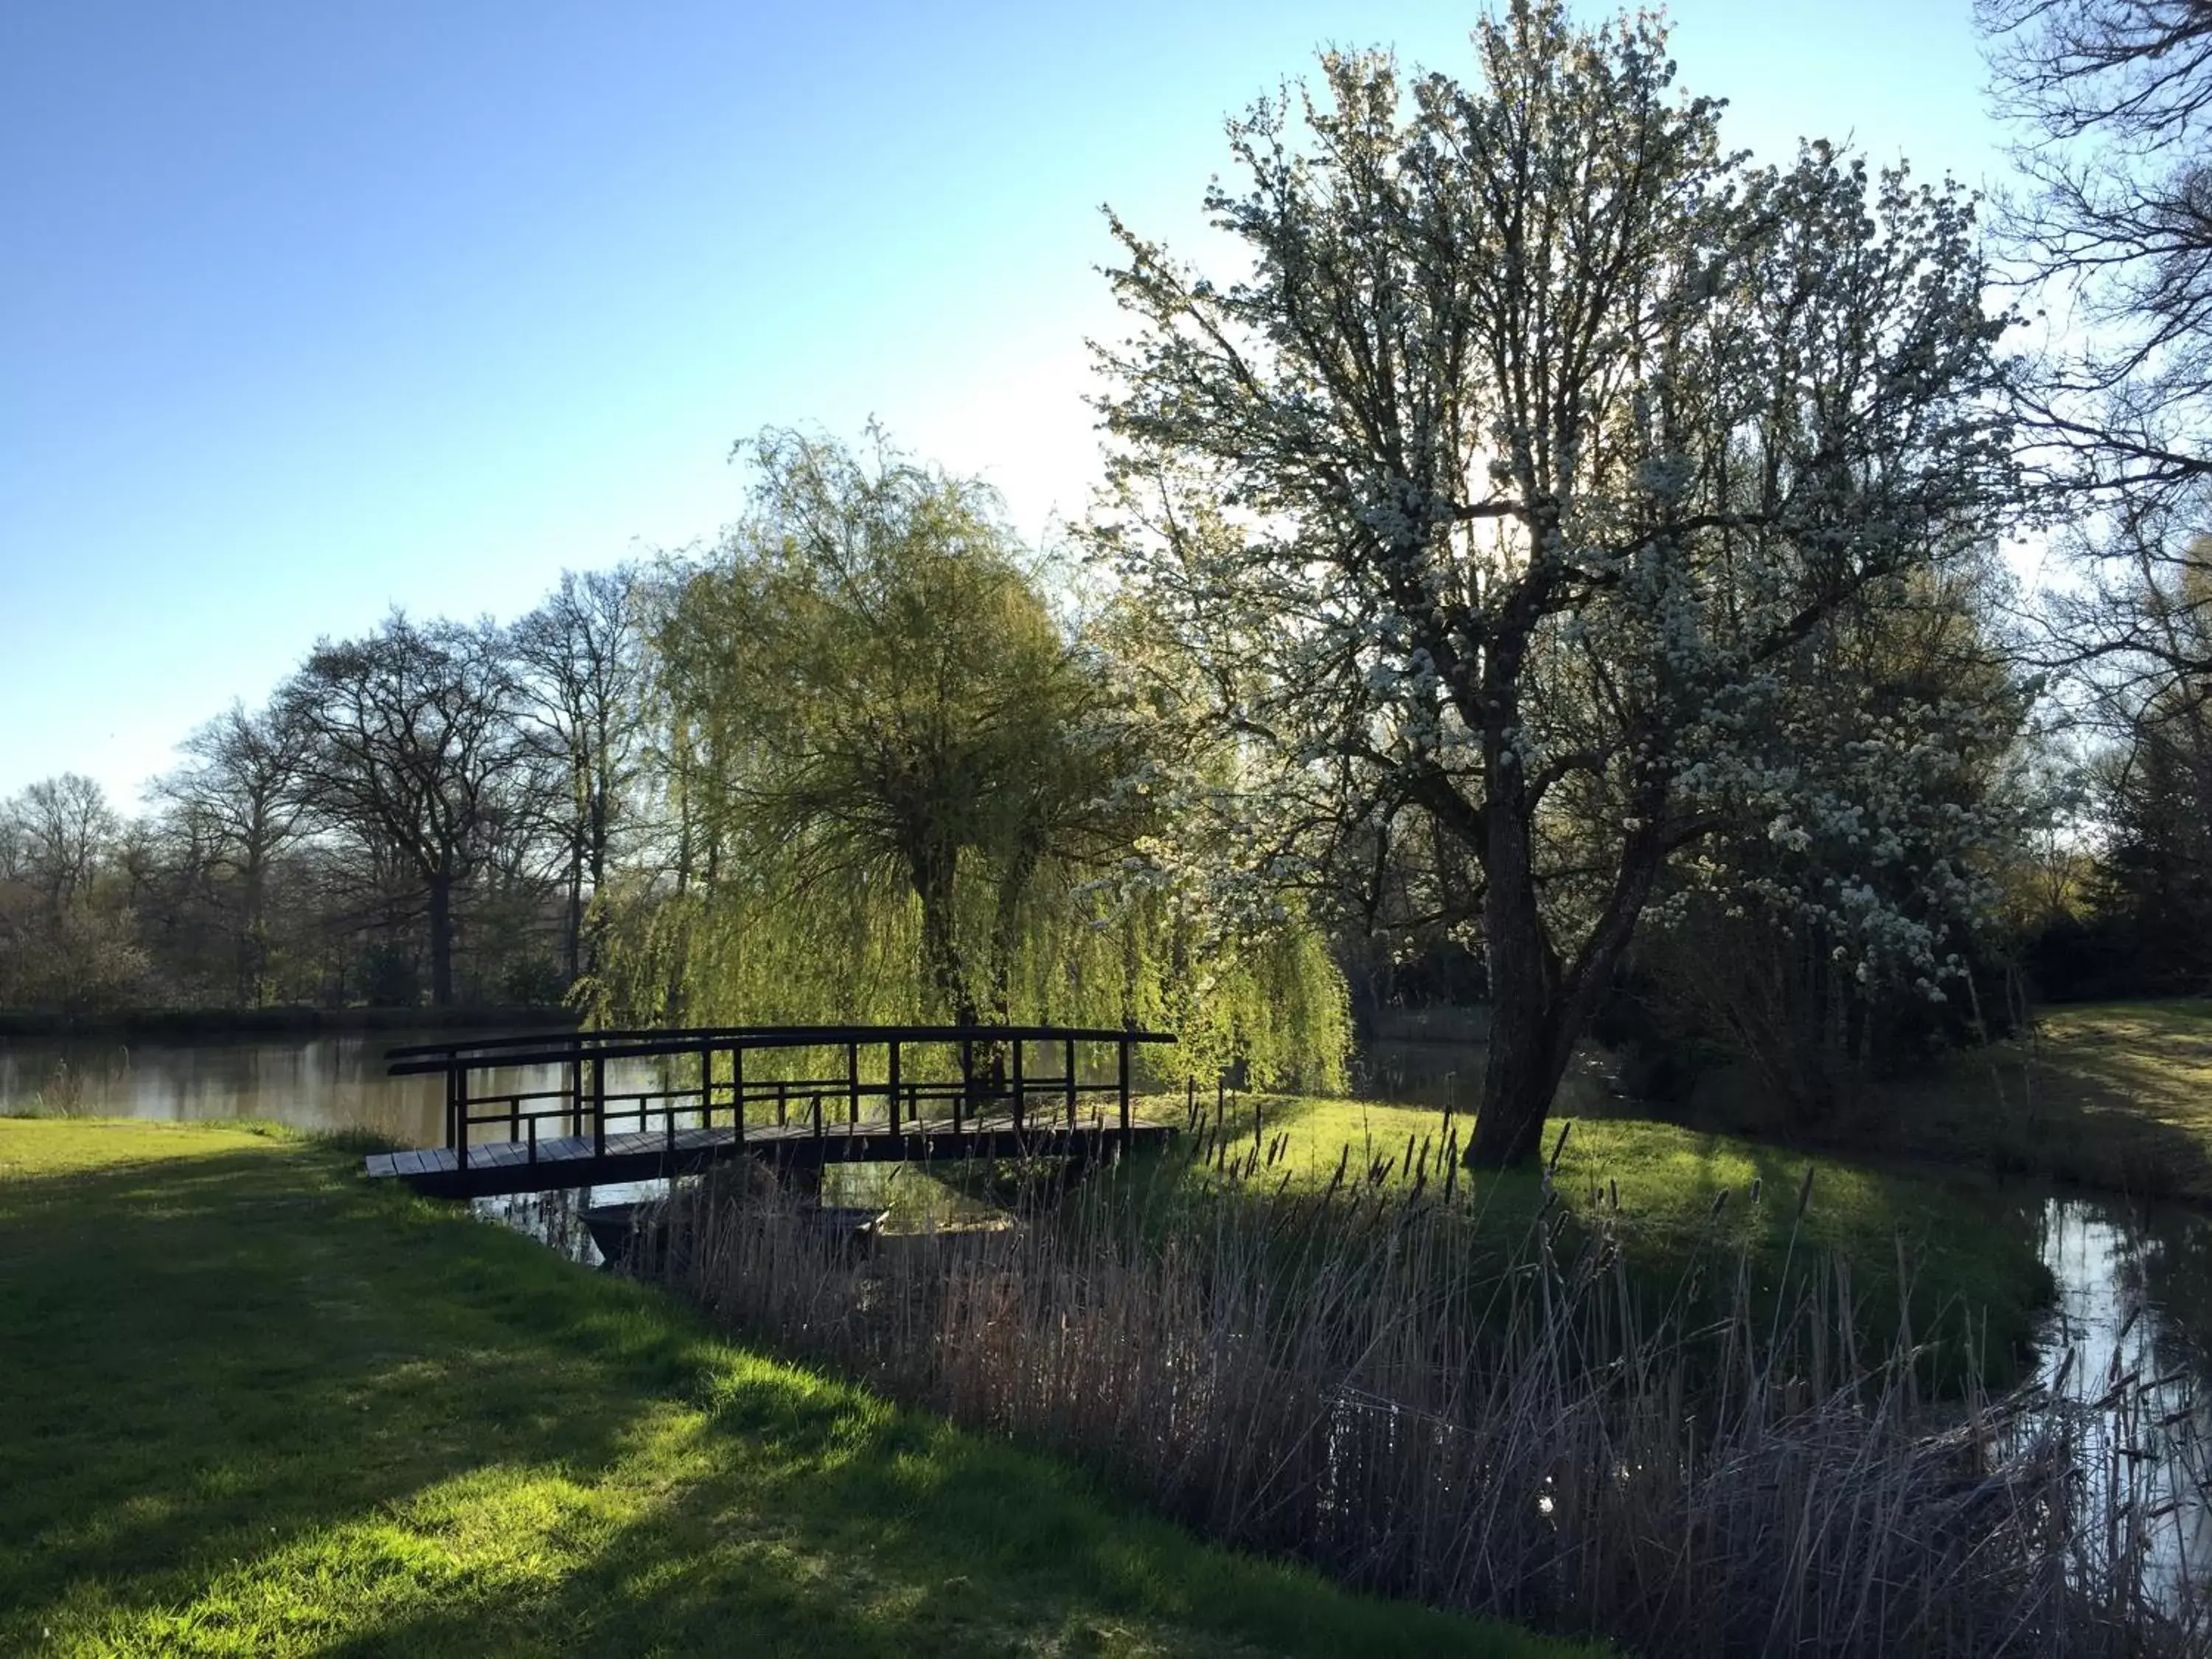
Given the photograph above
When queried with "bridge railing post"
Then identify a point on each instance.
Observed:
(738, 1087)
(1017, 1085)
(1126, 1046)
(598, 1105)
(457, 1111)
(891, 1090)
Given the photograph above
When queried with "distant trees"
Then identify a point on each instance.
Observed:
(2152, 784)
(2113, 223)
(236, 805)
(410, 749)
(1844, 939)
(63, 828)
(1543, 438)
(65, 937)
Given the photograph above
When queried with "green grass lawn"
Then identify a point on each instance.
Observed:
(1676, 1197)
(250, 1406)
(2116, 1095)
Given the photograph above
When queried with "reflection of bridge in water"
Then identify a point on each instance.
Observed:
(799, 1097)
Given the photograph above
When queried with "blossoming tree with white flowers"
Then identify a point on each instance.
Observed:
(1502, 488)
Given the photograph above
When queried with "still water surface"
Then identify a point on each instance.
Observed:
(2135, 1281)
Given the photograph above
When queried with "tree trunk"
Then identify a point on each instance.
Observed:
(940, 944)
(252, 946)
(1540, 1009)
(575, 953)
(1006, 931)
(442, 940)
(1528, 1048)
(596, 867)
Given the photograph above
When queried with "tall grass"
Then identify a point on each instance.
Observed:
(1343, 1377)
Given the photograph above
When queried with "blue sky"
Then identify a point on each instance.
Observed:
(311, 310)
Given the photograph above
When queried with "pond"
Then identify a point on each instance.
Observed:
(2135, 1281)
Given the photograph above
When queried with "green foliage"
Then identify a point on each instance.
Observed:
(905, 789)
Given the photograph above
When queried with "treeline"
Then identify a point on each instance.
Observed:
(420, 814)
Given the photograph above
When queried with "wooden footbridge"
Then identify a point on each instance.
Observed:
(799, 1096)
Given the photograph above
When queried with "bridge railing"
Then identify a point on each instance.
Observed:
(884, 1079)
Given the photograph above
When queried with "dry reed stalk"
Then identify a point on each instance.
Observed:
(1346, 1378)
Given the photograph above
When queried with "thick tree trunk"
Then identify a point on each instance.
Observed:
(1006, 931)
(442, 940)
(940, 944)
(575, 942)
(1528, 1047)
(1540, 1007)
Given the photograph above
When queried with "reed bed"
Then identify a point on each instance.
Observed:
(1361, 1379)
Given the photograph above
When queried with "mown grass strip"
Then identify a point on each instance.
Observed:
(251, 1407)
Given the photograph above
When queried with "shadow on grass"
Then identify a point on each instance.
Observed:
(2116, 1096)
(262, 1408)
(1689, 1208)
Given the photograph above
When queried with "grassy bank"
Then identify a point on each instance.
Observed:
(2114, 1095)
(1674, 1198)
(252, 1407)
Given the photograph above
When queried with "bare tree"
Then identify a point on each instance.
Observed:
(2114, 101)
(65, 826)
(239, 796)
(2113, 98)
(581, 660)
(410, 748)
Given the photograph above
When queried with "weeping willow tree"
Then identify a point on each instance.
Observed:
(902, 789)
